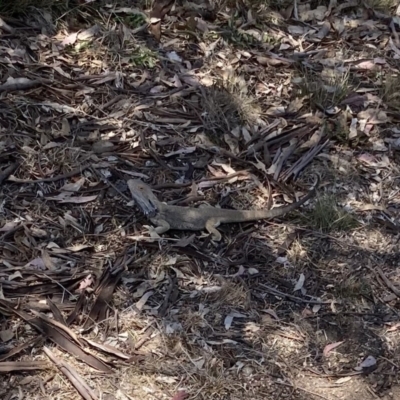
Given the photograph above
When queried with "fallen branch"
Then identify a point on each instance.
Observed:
(9, 366)
(69, 371)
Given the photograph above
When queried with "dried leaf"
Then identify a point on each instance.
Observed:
(300, 282)
(369, 362)
(228, 321)
(65, 128)
(142, 302)
(343, 380)
(232, 143)
(329, 347)
(6, 335)
(9, 226)
(73, 186)
(87, 282)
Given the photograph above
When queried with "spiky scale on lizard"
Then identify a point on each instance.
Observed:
(166, 217)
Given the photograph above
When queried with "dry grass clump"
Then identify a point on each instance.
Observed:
(226, 106)
(325, 90)
(328, 216)
(390, 91)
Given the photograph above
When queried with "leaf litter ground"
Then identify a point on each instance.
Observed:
(238, 107)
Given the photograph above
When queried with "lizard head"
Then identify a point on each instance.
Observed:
(143, 196)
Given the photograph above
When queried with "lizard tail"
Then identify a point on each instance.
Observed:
(279, 211)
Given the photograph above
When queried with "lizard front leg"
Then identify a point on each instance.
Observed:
(162, 226)
(211, 225)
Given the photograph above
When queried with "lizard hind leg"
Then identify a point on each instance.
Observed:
(211, 226)
(162, 226)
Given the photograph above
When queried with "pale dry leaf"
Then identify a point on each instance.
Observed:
(343, 380)
(272, 313)
(240, 272)
(48, 261)
(6, 335)
(316, 308)
(79, 200)
(107, 77)
(232, 143)
(276, 110)
(184, 150)
(306, 14)
(176, 81)
(86, 283)
(393, 328)
(130, 11)
(199, 364)
(329, 347)
(300, 282)
(51, 145)
(78, 247)
(157, 89)
(88, 33)
(207, 81)
(379, 145)
(65, 197)
(170, 261)
(373, 116)
(98, 229)
(271, 61)
(211, 289)
(373, 161)
(260, 166)
(215, 172)
(227, 168)
(246, 135)
(284, 46)
(52, 245)
(285, 262)
(15, 275)
(165, 379)
(252, 271)
(369, 362)
(37, 264)
(353, 128)
(228, 321)
(191, 80)
(70, 39)
(9, 226)
(142, 302)
(338, 25)
(295, 105)
(73, 186)
(173, 56)
(65, 128)
(369, 65)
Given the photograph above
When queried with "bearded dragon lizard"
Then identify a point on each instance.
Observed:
(166, 217)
